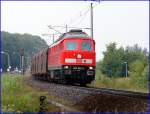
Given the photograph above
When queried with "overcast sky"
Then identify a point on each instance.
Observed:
(125, 23)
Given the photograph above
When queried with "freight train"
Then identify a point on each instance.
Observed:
(70, 59)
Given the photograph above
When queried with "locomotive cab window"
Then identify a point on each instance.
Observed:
(86, 46)
(71, 45)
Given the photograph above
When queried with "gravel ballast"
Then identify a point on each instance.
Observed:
(85, 100)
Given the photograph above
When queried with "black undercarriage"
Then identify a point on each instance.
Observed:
(70, 75)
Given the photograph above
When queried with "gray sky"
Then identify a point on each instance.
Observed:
(123, 22)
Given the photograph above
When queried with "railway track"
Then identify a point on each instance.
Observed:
(126, 93)
(132, 94)
(120, 92)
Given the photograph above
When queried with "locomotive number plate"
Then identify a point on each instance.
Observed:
(79, 60)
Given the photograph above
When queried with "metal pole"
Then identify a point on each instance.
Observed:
(66, 28)
(53, 38)
(22, 64)
(20, 61)
(92, 20)
(126, 70)
(8, 60)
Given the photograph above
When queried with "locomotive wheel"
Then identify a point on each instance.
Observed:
(68, 82)
(49, 78)
(83, 84)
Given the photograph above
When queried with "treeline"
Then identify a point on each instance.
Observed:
(12, 43)
(115, 60)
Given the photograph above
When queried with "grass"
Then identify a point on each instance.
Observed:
(125, 83)
(19, 97)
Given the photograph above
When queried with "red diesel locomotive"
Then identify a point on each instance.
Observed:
(70, 59)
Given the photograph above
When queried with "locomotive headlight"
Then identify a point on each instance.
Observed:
(79, 56)
(91, 68)
(66, 67)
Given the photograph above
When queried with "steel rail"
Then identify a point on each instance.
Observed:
(118, 92)
(126, 93)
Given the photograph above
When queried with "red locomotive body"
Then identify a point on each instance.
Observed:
(70, 59)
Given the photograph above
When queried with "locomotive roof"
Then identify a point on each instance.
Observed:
(73, 34)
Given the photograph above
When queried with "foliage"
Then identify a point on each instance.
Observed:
(139, 74)
(19, 97)
(13, 43)
(113, 63)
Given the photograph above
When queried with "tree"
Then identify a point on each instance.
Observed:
(139, 73)
(113, 59)
(12, 43)
(113, 63)
(136, 53)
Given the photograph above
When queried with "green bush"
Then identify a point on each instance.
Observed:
(139, 74)
(18, 97)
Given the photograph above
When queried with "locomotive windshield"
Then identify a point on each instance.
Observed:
(86, 46)
(71, 45)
